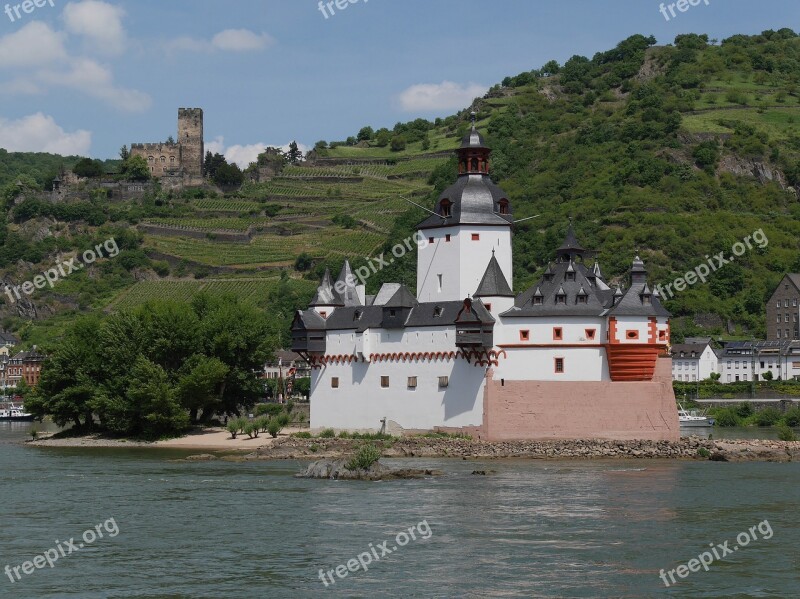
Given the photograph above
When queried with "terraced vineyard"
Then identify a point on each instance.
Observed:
(226, 206)
(235, 224)
(249, 290)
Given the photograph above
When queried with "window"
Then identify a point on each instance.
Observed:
(583, 299)
(786, 318)
(503, 205)
(737, 378)
(590, 334)
(537, 300)
(476, 237)
(786, 303)
(444, 382)
(439, 278)
(488, 307)
(559, 365)
(570, 276)
(778, 305)
(558, 333)
(392, 312)
(163, 159)
(744, 377)
(444, 208)
(561, 298)
(430, 239)
(779, 334)
(323, 314)
(794, 302)
(447, 237)
(334, 382)
(729, 378)
(786, 333)
(737, 363)
(412, 382)
(151, 159)
(524, 335)
(384, 382)
(778, 319)
(662, 335)
(172, 159)
(437, 312)
(631, 334)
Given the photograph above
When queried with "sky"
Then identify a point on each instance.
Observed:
(89, 76)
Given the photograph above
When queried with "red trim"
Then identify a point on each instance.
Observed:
(591, 333)
(558, 333)
(612, 330)
(525, 335)
(632, 334)
(545, 345)
(632, 361)
(652, 330)
(476, 237)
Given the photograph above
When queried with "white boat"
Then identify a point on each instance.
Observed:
(693, 418)
(14, 413)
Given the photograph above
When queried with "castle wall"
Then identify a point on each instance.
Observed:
(582, 410)
(160, 157)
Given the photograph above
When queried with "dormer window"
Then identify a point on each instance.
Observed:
(392, 313)
(647, 300)
(583, 299)
(503, 206)
(561, 299)
(444, 207)
(357, 315)
(437, 312)
(537, 301)
(570, 276)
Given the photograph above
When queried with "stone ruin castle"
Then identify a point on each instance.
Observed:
(179, 163)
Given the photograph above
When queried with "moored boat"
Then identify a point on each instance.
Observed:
(693, 418)
(14, 413)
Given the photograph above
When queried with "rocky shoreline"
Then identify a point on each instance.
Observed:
(688, 448)
(296, 448)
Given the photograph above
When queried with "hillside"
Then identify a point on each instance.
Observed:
(676, 152)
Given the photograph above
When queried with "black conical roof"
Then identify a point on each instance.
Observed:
(494, 283)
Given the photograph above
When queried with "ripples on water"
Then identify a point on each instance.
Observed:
(530, 529)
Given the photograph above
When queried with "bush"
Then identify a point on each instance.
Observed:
(263, 423)
(792, 417)
(270, 409)
(274, 427)
(768, 417)
(233, 428)
(283, 419)
(302, 435)
(365, 456)
(744, 409)
(702, 452)
(786, 434)
(251, 429)
(328, 433)
(727, 417)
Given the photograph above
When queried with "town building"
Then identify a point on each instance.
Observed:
(26, 365)
(570, 357)
(783, 310)
(694, 360)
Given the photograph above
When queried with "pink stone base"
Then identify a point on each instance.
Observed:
(621, 411)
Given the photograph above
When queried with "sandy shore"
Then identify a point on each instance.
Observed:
(209, 439)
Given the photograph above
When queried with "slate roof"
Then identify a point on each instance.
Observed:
(326, 295)
(494, 283)
(687, 349)
(474, 200)
(556, 283)
(403, 298)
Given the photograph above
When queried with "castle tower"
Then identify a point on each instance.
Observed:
(472, 219)
(190, 138)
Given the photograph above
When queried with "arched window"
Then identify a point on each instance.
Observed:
(163, 159)
(172, 159)
(444, 207)
(150, 158)
(503, 206)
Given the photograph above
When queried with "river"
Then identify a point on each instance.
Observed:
(528, 528)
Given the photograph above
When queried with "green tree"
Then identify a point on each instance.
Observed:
(365, 134)
(295, 154)
(135, 168)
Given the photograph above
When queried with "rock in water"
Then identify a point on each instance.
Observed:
(337, 470)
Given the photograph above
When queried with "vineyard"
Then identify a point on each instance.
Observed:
(253, 291)
(211, 224)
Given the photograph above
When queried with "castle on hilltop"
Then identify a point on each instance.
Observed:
(569, 358)
(181, 162)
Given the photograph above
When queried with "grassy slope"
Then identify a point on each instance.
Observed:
(590, 143)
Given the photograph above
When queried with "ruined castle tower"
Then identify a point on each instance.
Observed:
(190, 139)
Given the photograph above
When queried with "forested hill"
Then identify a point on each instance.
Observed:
(674, 152)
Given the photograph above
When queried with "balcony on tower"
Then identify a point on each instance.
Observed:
(308, 333)
(474, 326)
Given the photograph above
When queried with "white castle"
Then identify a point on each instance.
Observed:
(568, 358)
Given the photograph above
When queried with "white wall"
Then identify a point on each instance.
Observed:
(461, 262)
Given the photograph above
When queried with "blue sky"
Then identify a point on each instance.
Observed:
(88, 76)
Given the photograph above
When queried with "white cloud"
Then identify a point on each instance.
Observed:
(446, 95)
(40, 133)
(229, 40)
(241, 40)
(99, 22)
(32, 46)
(244, 155)
(94, 79)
